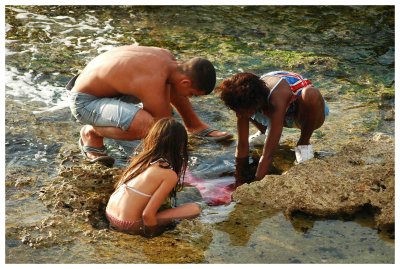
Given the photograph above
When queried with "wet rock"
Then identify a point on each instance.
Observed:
(361, 174)
(49, 232)
(389, 115)
(387, 98)
(387, 58)
(382, 137)
(24, 181)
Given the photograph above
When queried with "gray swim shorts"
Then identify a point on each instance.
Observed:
(103, 111)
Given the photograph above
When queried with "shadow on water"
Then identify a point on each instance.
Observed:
(55, 202)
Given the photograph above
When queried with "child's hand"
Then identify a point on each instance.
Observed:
(244, 172)
(152, 231)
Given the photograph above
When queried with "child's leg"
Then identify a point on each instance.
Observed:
(185, 211)
(259, 126)
(258, 138)
(310, 114)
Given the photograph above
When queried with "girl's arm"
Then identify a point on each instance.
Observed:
(242, 148)
(149, 215)
(272, 142)
(278, 104)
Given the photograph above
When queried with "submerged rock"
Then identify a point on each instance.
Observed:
(360, 175)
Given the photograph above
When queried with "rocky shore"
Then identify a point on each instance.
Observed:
(359, 177)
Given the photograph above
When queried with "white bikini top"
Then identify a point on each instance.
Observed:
(135, 190)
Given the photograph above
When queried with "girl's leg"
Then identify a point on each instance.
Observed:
(185, 211)
(310, 114)
(259, 126)
(258, 138)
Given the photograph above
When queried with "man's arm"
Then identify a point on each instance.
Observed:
(157, 106)
(185, 109)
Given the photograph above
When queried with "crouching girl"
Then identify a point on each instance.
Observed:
(273, 101)
(154, 175)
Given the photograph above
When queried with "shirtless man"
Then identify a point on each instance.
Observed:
(150, 75)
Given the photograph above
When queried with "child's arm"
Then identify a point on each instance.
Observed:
(149, 215)
(242, 148)
(274, 134)
(277, 110)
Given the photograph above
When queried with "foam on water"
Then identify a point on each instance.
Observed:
(23, 89)
(65, 30)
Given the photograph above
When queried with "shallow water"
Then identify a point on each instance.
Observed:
(351, 60)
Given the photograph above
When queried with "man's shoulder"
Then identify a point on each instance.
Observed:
(146, 49)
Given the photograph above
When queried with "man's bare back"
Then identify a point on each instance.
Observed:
(127, 70)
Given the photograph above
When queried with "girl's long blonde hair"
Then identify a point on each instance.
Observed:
(167, 139)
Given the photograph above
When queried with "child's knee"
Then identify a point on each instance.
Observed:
(311, 95)
(312, 102)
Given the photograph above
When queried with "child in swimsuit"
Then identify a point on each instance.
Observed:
(154, 175)
(275, 100)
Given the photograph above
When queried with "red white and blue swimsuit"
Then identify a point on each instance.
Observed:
(297, 83)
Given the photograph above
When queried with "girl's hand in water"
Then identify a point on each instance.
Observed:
(152, 231)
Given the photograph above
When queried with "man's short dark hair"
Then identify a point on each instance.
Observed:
(201, 72)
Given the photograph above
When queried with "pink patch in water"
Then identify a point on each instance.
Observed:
(216, 191)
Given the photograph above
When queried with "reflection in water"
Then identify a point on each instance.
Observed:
(260, 235)
(243, 221)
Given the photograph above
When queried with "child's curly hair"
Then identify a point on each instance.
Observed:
(243, 91)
